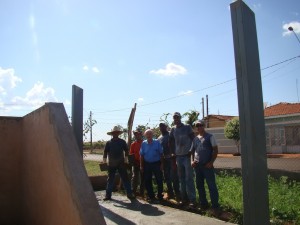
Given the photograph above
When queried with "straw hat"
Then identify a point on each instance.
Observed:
(116, 129)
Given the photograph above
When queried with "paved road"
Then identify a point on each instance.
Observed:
(285, 164)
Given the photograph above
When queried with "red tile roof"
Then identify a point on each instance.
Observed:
(221, 117)
(282, 108)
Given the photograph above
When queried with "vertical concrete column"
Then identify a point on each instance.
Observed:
(77, 115)
(252, 126)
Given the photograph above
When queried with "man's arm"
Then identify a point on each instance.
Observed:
(210, 164)
(171, 142)
(142, 164)
(106, 149)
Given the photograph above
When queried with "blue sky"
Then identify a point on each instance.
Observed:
(163, 55)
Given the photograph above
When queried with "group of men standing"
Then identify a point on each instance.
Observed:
(174, 157)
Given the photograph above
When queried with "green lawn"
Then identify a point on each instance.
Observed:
(284, 196)
(92, 168)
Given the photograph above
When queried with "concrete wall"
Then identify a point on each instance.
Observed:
(225, 145)
(10, 145)
(53, 183)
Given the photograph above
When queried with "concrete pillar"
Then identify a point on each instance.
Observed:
(77, 115)
(252, 126)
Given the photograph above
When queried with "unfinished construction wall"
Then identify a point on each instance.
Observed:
(43, 179)
(55, 186)
(10, 145)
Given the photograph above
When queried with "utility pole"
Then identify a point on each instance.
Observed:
(91, 130)
(203, 108)
(207, 121)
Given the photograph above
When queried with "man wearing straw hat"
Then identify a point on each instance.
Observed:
(115, 149)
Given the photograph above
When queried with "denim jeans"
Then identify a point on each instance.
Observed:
(171, 177)
(149, 170)
(207, 174)
(186, 178)
(111, 178)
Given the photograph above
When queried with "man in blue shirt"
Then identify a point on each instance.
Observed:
(151, 163)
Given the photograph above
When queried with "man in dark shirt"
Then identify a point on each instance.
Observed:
(115, 149)
(206, 151)
(170, 168)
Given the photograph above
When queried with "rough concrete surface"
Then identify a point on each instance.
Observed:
(120, 210)
(43, 176)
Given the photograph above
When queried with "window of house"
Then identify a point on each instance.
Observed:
(292, 135)
(276, 136)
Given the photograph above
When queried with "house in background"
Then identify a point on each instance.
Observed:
(215, 125)
(283, 128)
(216, 120)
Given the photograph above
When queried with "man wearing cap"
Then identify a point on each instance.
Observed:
(206, 151)
(170, 168)
(152, 164)
(181, 137)
(137, 177)
(115, 149)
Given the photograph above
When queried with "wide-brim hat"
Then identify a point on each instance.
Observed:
(116, 129)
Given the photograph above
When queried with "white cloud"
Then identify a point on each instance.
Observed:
(85, 68)
(170, 70)
(294, 24)
(32, 26)
(8, 80)
(95, 69)
(36, 96)
(140, 99)
(189, 92)
(257, 6)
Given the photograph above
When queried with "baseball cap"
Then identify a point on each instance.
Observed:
(137, 130)
(202, 122)
(177, 114)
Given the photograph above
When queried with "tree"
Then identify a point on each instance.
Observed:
(88, 128)
(164, 119)
(232, 131)
(192, 116)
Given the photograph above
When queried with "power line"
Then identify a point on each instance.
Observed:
(280, 62)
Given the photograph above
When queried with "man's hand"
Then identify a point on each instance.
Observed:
(194, 164)
(209, 165)
(161, 167)
(104, 160)
(126, 159)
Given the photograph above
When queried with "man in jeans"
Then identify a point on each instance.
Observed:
(170, 168)
(206, 151)
(115, 149)
(181, 136)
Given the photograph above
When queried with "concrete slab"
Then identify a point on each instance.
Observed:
(120, 210)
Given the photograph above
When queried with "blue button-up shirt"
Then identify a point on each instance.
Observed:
(151, 152)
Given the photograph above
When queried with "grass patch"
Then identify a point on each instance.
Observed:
(92, 168)
(284, 198)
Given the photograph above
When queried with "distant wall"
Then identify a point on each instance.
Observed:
(10, 145)
(51, 179)
(225, 145)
